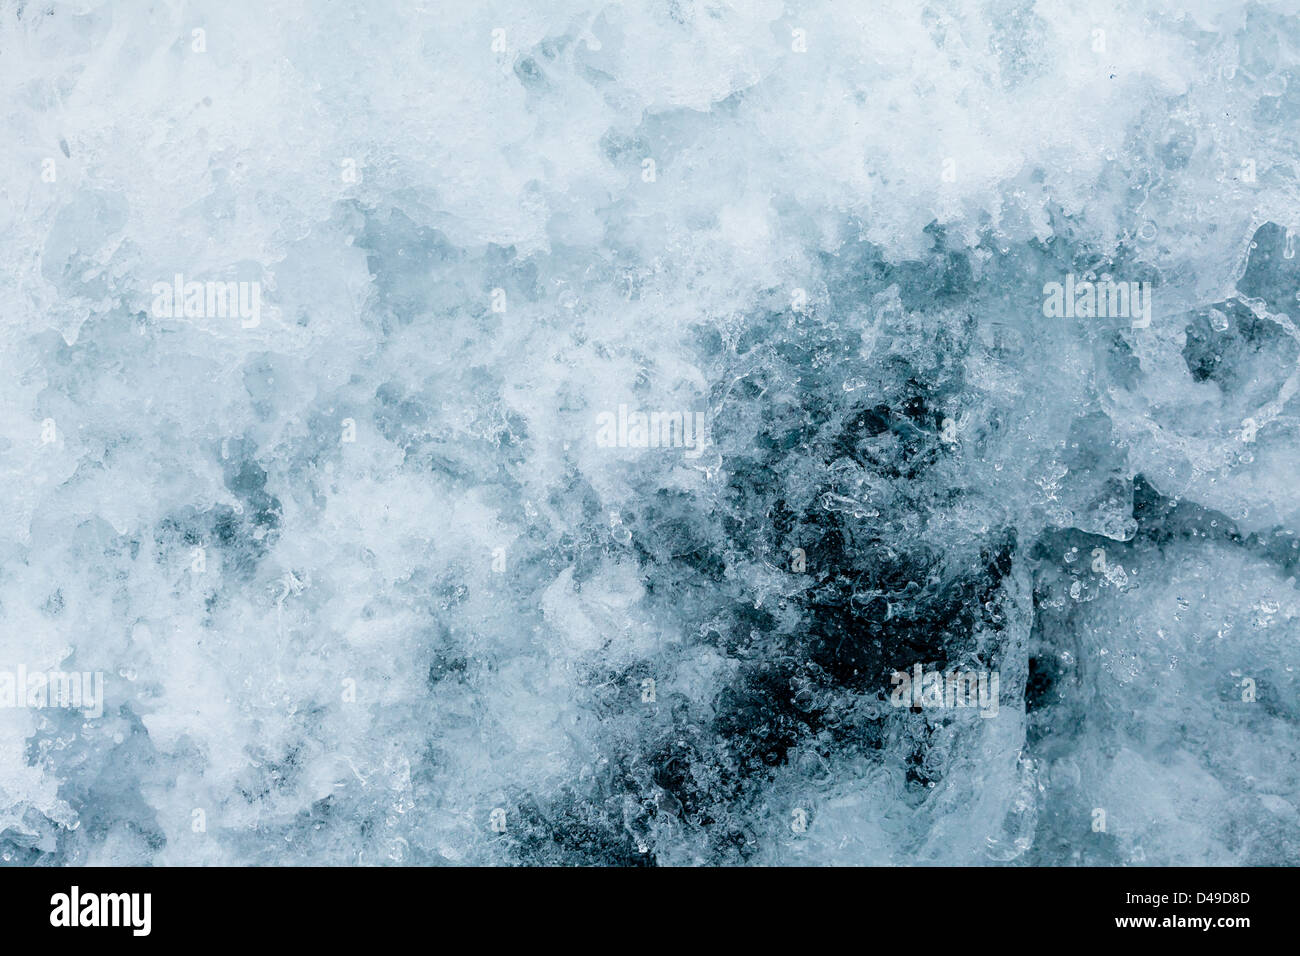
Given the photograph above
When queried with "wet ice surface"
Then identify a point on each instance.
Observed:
(364, 577)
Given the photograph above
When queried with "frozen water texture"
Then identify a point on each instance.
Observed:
(360, 574)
